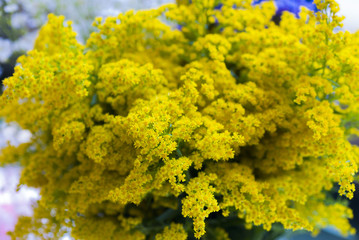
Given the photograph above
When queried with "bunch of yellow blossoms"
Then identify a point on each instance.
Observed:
(151, 132)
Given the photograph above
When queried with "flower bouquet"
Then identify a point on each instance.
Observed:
(201, 119)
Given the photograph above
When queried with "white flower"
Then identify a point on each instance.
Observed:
(5, 49)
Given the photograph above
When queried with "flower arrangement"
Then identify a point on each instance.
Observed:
(151, 132)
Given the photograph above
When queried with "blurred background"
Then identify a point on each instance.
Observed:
(20, 21)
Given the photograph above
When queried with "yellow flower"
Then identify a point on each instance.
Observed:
(245, 118)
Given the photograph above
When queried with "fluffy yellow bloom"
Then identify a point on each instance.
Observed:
(175, 231)
(147, 131)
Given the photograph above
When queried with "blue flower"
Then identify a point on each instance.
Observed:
(291, 5)
(219, 6)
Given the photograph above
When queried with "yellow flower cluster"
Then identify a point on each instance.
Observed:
(200, 201)
(175, 231)
(148, 131)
